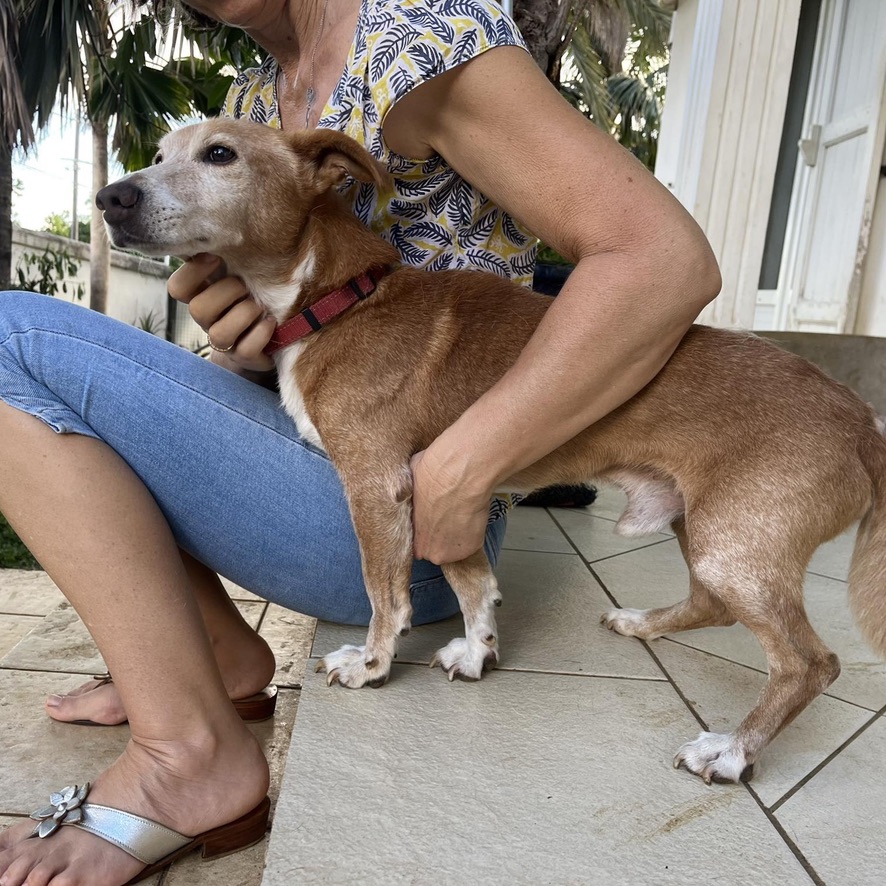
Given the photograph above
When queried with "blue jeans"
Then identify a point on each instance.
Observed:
(242, 492)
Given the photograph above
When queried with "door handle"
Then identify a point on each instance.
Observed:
(809, 145)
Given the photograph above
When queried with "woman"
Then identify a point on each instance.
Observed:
(166, 454)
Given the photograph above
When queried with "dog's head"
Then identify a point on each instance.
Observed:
(224, 185)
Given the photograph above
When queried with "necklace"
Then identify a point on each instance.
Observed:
(310, 93)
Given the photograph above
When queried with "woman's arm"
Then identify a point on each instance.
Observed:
(643, 272)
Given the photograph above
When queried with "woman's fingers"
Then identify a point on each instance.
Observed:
(217, 300)
(194, 276)
(232, 323)
(249, 349)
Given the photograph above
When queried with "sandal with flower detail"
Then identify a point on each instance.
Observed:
(146, 840)
(253, 709)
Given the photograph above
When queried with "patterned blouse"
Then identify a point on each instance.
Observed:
(433, 216)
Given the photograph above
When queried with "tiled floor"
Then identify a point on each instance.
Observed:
(555, 769)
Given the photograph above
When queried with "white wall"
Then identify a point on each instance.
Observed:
(137, 286)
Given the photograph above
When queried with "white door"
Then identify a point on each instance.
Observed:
(835, 186)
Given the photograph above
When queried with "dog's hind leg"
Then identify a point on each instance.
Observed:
(768, 599)
(381, 510)
(701, 609)
(477, 591)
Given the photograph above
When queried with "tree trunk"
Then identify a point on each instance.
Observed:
(5, 215)
(99, 247)
(546, 28)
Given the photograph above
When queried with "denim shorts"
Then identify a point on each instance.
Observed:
(242, 492)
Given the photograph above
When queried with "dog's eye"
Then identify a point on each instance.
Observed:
(158, 158)
(220, 154)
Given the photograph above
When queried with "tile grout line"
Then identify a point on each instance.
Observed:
(261, 618)
(827, 760)
(842, 581)
(776, 824)
(788, 840)
(4, 667)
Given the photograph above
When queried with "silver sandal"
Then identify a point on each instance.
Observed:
(146, 840)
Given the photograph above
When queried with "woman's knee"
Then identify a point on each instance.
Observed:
(22, 311)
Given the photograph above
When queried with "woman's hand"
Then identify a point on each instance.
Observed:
(449, 521)
(237, 327)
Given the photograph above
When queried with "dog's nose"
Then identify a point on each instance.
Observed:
(118, 200)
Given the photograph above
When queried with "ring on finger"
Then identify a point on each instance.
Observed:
(216, 347)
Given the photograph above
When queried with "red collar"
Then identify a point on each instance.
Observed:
(326, 309)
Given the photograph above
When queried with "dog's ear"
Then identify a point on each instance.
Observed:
(334, 156)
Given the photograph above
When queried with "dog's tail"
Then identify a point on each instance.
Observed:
(867, 575)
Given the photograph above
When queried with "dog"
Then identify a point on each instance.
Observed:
(750, 455)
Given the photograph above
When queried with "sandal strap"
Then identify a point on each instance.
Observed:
(142, 838)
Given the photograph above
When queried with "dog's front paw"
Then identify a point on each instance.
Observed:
(629, 623)
(352, 667)
(715, 757)
(465, 660)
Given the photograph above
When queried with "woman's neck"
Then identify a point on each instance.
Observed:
(311, 45)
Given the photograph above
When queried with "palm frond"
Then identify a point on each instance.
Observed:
(15, 117)
(52, 34)
(648, 17)
(584, 79)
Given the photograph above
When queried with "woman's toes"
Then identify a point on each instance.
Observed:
(13, 835)
(42, 874)
(99, 704)
(17, 871)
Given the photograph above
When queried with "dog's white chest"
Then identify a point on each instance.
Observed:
(291, 395)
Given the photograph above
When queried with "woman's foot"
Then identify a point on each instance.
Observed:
(246, 667)
(190, 786)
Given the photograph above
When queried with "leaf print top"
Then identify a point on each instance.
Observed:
(434, 217)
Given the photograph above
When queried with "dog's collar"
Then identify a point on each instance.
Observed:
(326, 309)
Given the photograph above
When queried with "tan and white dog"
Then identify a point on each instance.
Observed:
(751, 455)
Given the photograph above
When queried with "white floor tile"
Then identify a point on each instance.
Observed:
(610, 503)
(532, 529)
(595, 537)
(832, 559)
(538, 779)
(838, 818)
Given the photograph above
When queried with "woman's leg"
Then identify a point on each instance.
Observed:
(191, 763)
(244, 659)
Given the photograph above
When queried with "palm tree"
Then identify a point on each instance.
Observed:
(582, 45)
(32, 83)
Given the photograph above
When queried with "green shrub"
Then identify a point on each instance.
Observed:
(13, 553)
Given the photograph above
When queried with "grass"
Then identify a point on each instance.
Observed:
(13, 554)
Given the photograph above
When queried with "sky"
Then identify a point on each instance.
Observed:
(47, 174)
